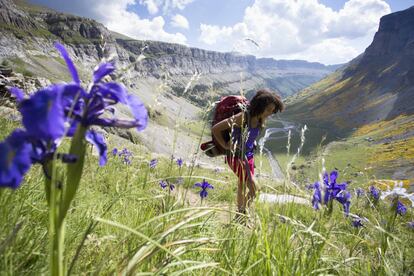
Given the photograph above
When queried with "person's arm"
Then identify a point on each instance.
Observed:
(218, 128)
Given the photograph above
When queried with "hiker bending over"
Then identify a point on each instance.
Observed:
(244, 129)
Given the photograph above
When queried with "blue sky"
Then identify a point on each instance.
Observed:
(326, 31)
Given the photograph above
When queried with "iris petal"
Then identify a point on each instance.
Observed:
(14, 159)
(102, 70)
(43, 114)
(98, 141)
(69, 63)
(139, 111)
(333, 176)
(113, 91)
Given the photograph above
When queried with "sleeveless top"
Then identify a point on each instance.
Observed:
(251, 136)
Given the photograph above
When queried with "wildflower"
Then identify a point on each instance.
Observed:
(375, 193)
(359, 192)
(331, 187)
(115, 152)
(401, 209)
(317, 195)
(14, 159)
(87, 107)
(357, 222)
(126, 155)
(163, 184)
(179, 162)
(127, 161)
(153, 163)
(204, 185)
(336, 191)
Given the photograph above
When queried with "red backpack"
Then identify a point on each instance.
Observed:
(225, 108)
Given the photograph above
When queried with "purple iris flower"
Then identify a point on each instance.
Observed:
(101, 97)
(180, 162)
(375, 193)
(88, 107)
(332, 189)
(125, 152)
(359, 192)
(163, 184)
(317, 195)
(336, 191)
(357, 223)
(57, 111)
(401, 209)
(153, 163)
(126, 155)
(115, 152)
(15, 159)
(204, 185)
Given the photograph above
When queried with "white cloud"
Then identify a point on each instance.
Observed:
(153, 6)
(180, 21)
(121, 20)
(303, 29)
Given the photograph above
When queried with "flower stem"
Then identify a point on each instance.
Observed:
(74, 171)
(56, 226)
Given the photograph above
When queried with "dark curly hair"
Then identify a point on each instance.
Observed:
(261, 100)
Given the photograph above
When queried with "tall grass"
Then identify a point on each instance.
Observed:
(122, 222)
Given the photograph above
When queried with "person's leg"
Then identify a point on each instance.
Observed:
(251, 195)
(241, 198)
(251, 185)
(238, 168)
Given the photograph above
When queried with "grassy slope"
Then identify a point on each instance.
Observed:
(124, 205)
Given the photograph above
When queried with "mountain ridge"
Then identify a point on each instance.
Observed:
(86, 36)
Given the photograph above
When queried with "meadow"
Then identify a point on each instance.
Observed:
(134, 213)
